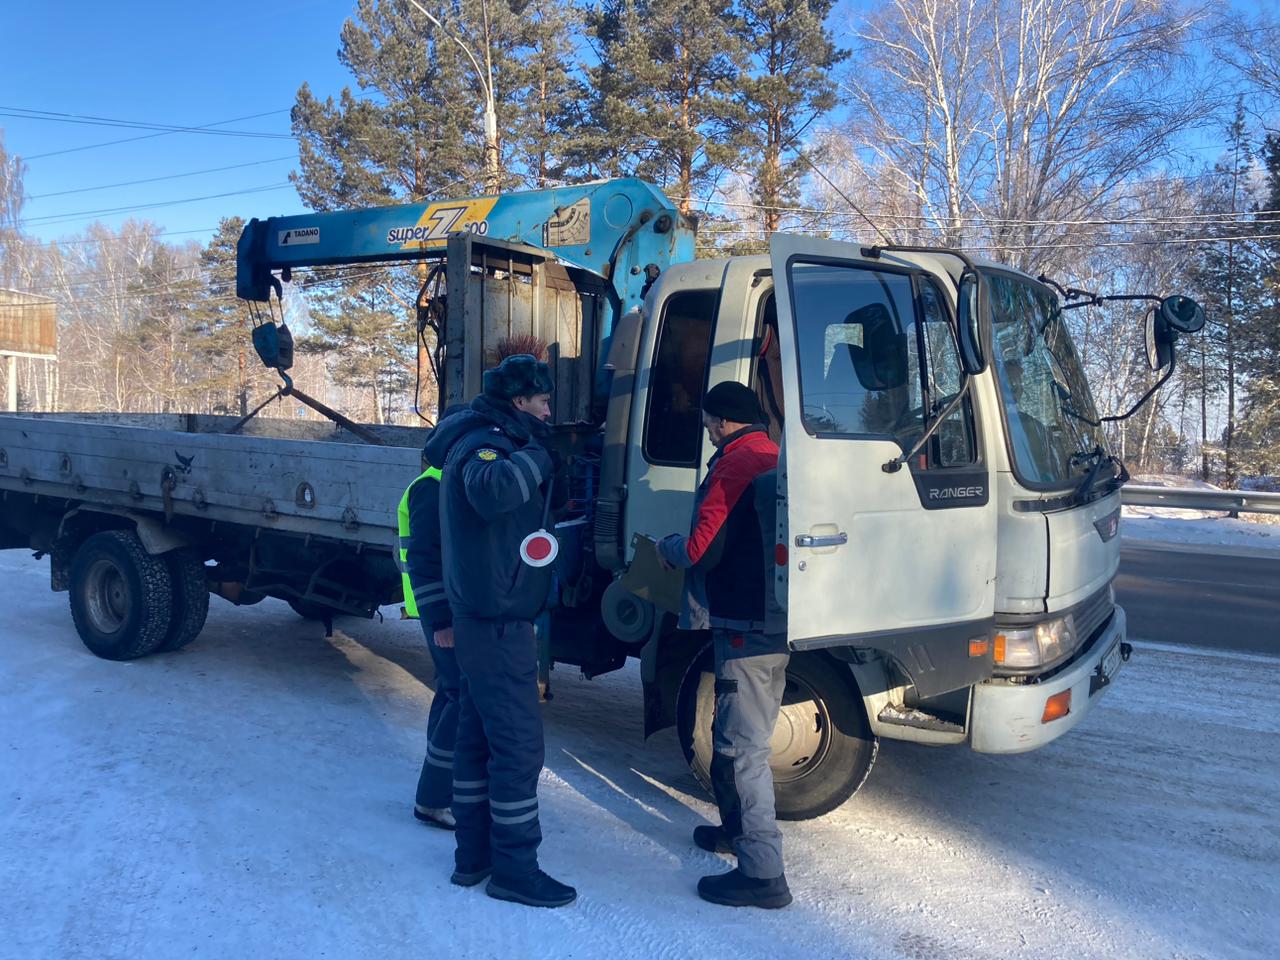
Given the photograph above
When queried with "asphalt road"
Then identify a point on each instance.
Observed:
(1219, 600)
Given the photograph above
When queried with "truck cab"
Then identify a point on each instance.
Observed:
(959, 589)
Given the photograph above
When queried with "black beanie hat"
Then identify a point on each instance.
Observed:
(520, 375)
(733, 402)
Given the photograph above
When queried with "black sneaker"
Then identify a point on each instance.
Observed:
(535, 890)
(713, 839)
(470, 877)
(736, 889)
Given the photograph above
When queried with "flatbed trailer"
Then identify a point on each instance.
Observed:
(301, 511)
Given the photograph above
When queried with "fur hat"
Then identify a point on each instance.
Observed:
(733, 402)
(517, 376)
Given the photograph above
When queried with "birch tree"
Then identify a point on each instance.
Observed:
(1013, 121)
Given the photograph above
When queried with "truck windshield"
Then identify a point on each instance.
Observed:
(1040, 380)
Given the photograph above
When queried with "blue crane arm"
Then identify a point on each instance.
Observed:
(615, 229)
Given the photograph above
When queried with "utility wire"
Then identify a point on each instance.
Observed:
(171, 176)
(1191, 219)
(22, 113)
(61, 217)
(149, 136)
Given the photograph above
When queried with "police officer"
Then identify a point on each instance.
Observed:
(494, 489)
(729, 557)
(421, 568)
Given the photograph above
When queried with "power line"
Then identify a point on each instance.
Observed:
(62, 217)
(49, 116)
(172, 176)
(1192, 219)
(81, 242)
(149, 136)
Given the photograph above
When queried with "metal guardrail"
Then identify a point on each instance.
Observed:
(1193, 498)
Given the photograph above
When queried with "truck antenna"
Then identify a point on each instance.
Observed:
(856, 209)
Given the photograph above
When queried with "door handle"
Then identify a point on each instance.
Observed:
(830, 540)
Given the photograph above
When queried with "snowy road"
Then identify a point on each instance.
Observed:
(249, 797)
(1190, 596)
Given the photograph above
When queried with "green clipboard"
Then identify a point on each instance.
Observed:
(649, 581)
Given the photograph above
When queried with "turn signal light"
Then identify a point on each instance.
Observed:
(1000, 647)
(1056, 707)
(979, 646)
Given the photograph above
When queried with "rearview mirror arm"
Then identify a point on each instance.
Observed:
(1066, 405)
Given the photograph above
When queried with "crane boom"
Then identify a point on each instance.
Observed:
(612, 228)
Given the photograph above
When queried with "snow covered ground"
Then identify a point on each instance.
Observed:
(1200, 527)
(250, 797)
(1252, 531)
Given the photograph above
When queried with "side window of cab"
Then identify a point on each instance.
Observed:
(673, 420)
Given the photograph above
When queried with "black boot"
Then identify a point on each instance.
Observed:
(469, 876)
(713, 839)
(736, 889)
(535, 890)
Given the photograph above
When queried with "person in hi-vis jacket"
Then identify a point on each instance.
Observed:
(421, 568)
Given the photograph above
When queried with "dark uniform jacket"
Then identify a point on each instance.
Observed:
(495, 479)
(729, 550)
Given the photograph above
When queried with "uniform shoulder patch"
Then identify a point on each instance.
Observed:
(487, 453)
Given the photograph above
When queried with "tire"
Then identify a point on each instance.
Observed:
(190, 600)
(121, 596)
(823, 746)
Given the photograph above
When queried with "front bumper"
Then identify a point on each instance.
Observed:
(1006, 717)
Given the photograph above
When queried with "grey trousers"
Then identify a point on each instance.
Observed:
(748, 696)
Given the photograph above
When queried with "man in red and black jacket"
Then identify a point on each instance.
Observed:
(729, 588)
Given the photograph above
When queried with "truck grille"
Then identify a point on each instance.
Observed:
(1092, 614)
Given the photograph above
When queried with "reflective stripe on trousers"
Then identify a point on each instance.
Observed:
(499, 752)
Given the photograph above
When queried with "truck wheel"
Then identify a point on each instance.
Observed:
(121, 596)
(190, 599)
(823, 748)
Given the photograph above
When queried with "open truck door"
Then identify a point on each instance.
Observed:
(874, 553)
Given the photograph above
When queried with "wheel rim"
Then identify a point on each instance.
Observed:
(107, 597)
(802, 735)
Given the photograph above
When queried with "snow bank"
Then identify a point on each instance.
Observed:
(1199, 527)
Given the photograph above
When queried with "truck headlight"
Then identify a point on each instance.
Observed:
(1034, 646)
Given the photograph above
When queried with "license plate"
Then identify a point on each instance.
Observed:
(1111, 662)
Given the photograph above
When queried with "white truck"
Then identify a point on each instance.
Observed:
(948, 522)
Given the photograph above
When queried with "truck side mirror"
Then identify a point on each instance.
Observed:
(1159, 340)
(1174, 315)
(1182, 314)
(971, 358)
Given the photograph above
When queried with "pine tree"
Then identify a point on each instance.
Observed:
(667, 91)
(792, 54)
(228, 371)
(1260, 339)
(552, 96)
(1228, 276)
(407, 134)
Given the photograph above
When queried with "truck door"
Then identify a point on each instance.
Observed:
(901, 560)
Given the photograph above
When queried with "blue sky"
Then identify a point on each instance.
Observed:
(173, 63)
(166, 63)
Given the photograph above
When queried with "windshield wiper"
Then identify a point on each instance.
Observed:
(1097, 457)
